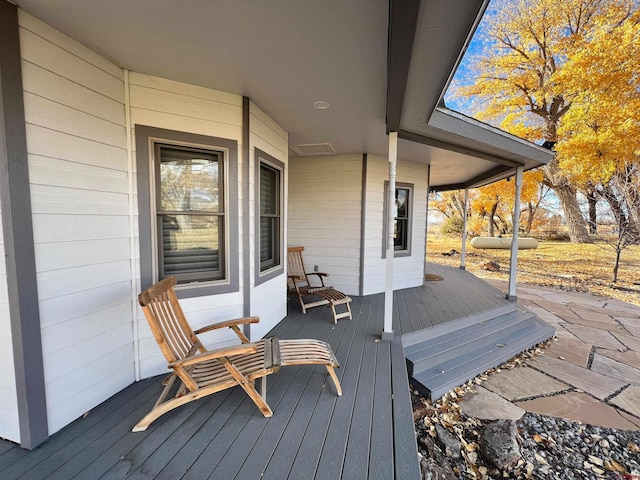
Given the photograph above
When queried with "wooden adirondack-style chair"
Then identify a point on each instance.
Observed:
(202, 372)
(298, 282)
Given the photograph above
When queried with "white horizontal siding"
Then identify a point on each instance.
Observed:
(76, 142)
(177, 106)
(269, 299)
(324, 216)
(408, 270)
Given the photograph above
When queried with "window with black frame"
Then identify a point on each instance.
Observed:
(269, 216)
(402, 218)
(190, 212)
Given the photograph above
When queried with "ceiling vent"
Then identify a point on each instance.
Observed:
(310, 149)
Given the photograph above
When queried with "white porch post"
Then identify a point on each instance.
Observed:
(387, 333)
(513, 268)
(426, 222)
(463, 253)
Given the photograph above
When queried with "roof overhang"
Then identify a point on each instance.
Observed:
(438, 32)
(362, 56)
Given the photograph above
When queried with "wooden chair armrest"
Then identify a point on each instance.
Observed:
(218, 353)
(319, 274)
(228, 323)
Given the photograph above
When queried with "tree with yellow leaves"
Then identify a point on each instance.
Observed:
(600, 135)
(496, 201)
(519, 81)
(491, 206)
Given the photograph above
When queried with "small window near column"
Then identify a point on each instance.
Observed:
(269, 226)
(402, 218)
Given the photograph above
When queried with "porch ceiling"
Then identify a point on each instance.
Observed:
(285, 55)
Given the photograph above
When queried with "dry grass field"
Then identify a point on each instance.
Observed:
(577, 267)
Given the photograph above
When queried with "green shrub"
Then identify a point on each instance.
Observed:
(452, 227)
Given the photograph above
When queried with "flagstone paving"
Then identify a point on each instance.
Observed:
(629, 400)
(573, 351)
(486, 405)
(523, 383)
(590, 371)
(580, 407)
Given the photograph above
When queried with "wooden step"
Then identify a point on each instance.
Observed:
(454, 358)
(445, 347)
(419, 336)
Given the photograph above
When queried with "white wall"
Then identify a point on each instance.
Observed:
(324, 215)
(162, 103)
(84, 203)
(408, 271)
(269, 299)
(177, 106)
(76, 143)
(9, 424)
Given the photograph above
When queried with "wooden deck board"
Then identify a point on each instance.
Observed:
(103, 444)
(74, 440)
(405, 447)
(253, 448)
(366, 433)
(332, 457)
(295, 436)
(356, 457)
(381, 463)
(154, 463)
(201, 438)
(460, 294)
(307, 460)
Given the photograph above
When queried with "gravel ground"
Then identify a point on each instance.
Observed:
(450, 445)
(550, 448)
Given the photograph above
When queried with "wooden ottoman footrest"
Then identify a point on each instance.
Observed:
(335, 297)
(308, 352)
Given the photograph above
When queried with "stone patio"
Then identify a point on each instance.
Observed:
(590, 372)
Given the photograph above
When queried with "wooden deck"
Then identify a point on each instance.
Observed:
(459, 295)
(366, 433)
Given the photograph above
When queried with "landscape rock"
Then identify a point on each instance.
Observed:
(431, 470)
(450, 444)
(434, 465)
(499, 443)
(491, 266)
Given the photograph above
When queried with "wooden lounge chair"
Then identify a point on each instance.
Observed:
(298, 283)
(202, 372)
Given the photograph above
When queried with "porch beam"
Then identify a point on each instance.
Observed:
(403, 20)
(463, 249)
(387, 333)
(497, 173)
(432, 142)
(513, 268)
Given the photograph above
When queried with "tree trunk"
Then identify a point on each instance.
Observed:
(566, 193)
(617, 265)
(576, 223)
(593, 215)
(492, 214)
(529, 224)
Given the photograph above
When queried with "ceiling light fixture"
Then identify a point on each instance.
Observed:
(321, 105)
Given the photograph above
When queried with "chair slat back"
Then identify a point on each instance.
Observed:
(167, 321)
(295, 264)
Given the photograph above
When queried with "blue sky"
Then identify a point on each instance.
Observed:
(461, 76)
